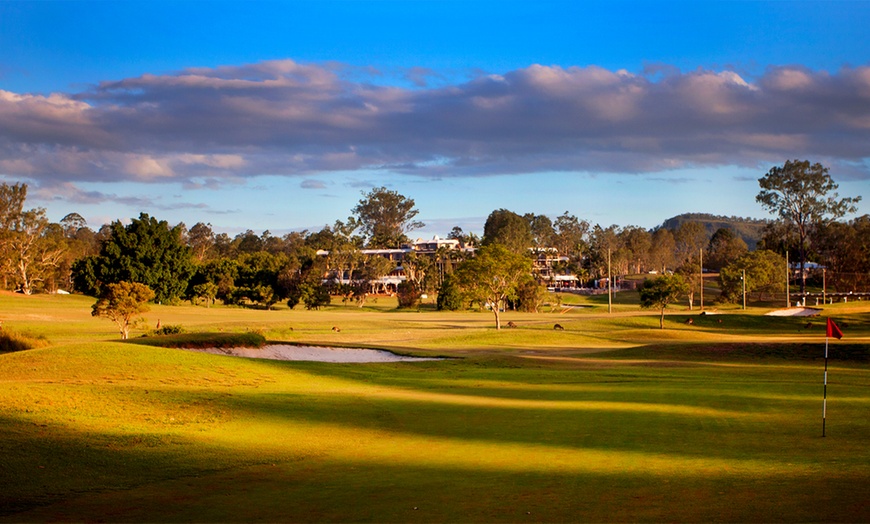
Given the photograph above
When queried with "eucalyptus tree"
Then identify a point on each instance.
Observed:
(72, 223)
(385, 217)
(493, 276)
(605, 243)
(571, 236)
(638, 241)
(803, 195)
(690, 238)
(662, 249)
(417, 267)
(31, 249)
(201, 241)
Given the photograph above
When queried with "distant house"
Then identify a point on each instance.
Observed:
(433, 245)
(565, 282)
(389, 283)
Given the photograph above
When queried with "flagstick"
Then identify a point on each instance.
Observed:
(825, 390)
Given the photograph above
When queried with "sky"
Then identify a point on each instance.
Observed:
(279, 116)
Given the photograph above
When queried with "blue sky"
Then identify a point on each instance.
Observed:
(277, 115)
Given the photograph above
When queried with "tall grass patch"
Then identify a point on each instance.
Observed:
(14, 341)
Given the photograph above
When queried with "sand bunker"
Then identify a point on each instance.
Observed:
(314, 353)
(795, 312)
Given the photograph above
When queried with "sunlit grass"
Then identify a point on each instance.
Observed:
(593, 423)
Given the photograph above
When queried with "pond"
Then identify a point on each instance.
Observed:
(315, 353)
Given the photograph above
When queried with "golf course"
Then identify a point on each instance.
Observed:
(609, 420)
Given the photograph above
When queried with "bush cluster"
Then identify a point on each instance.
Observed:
(169, 330)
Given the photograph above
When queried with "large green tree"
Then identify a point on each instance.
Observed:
(146, 251)
(508, 229)
(385, 216)
(492, 276)
(804, 196)
(258, 276)
(759, 271)
(214, 279)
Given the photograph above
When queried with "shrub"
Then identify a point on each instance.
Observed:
(409, 295)
(450, 295)
(530, 296)
(169, 330)
(315, 297)
(204, 340)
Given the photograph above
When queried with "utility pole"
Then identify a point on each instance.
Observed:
(701, 258)
(787, 275)
(824, 287)
(609, 285)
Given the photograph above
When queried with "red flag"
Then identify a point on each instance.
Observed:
(833, 330)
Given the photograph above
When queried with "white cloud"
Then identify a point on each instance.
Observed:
(201, 126)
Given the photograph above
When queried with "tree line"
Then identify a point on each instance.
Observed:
(313, 268)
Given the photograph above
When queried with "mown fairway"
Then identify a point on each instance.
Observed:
(609, 420)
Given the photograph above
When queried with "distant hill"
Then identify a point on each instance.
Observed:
(749, 229)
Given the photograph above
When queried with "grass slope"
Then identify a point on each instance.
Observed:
(610, 420)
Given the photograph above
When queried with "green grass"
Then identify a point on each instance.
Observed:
(609, 420)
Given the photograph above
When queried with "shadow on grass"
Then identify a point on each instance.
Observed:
(838, 352)
(83, 476)
(465, 416)
(645, 411)
(340, 492)
(47, 462)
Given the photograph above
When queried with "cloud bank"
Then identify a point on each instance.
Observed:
(209, 126)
